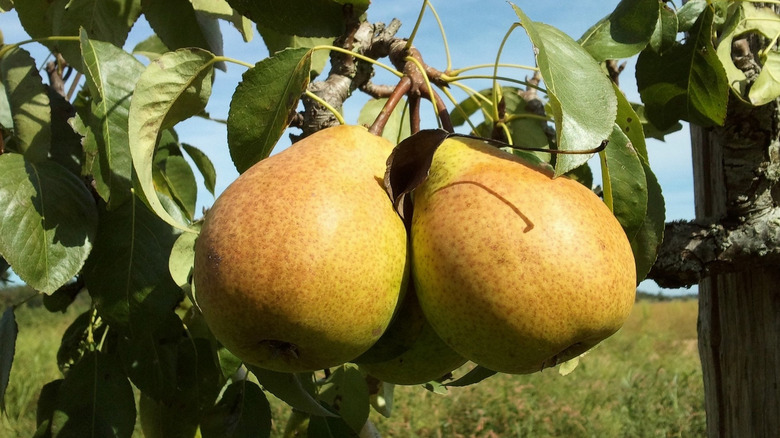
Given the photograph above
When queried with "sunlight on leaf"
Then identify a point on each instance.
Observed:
(575, 86)
(173, 88)
(29, 105)
(262, 104)
(49, 221)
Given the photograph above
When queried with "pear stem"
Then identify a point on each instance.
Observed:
(404, 85)
(414, 111)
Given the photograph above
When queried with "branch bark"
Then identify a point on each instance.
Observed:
(346, 75)
(693, 251)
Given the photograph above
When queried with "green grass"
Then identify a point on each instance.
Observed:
(645, 381)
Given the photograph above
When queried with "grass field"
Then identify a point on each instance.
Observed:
(645, 381)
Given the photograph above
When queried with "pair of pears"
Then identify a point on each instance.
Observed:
(303, 264)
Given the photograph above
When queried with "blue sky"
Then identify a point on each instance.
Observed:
(474, 29)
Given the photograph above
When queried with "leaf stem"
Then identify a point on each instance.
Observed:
(7, 48)
(511, 117)
(451, 79)
(507, 133)
(605, 181)
(495, 68)
(443, 35)
(327, 106)
(234, 61)
(416, 25)
(358, 56)
(449, 95)
(479, 66)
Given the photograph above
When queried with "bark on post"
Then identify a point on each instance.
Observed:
(739, 312)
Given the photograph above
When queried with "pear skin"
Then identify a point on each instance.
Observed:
(515, 270)
(301, 261)
(426, 358)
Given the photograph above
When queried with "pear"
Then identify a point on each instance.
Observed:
(426, 356)
(301, 261)
(515, 270)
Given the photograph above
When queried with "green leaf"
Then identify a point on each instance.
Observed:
(631, 124)
(173, 175)
(476, 375)
(436, 387)
(689, 13)
(647, 241)
(278, 41)
(665, 34)
(469, 106)
(262, 105)
(219, 8)
(242, 411)
(6, 118)
(650, 130)
(29, 105)
(133, 245)
(228, 362)
(575, 85)
(62, 298)
(526, 129)
(111, 75)
(66, 147)
(47, 401)
(330, 427)
(397, 128)
(624, 32)
(170, 367)
(36, 17)
(306, 18)
(174, 87)
(190, 386)
(8, 332)
(152, 48)
(48, 223)
(623, 181)
(290, 389)
(569, 366)
(766, 88)
(347, 392)
(104, 20)
(182, 258)
(747, 19)
(204, 165)
(169, 418)
(686, 82)
(222, 10)
(382, 400)
(95, 399)
(180, 26)
(75, 342)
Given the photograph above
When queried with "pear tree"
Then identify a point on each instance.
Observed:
(431, 248)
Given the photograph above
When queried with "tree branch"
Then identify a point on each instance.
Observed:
(346, 74)
(691, 251)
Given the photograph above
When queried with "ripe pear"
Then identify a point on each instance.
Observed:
(426, 357)
(301, 261)
(515, 270)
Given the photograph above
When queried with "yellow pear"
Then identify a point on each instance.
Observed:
(425, 358)
(515, 270)
(300, 263)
